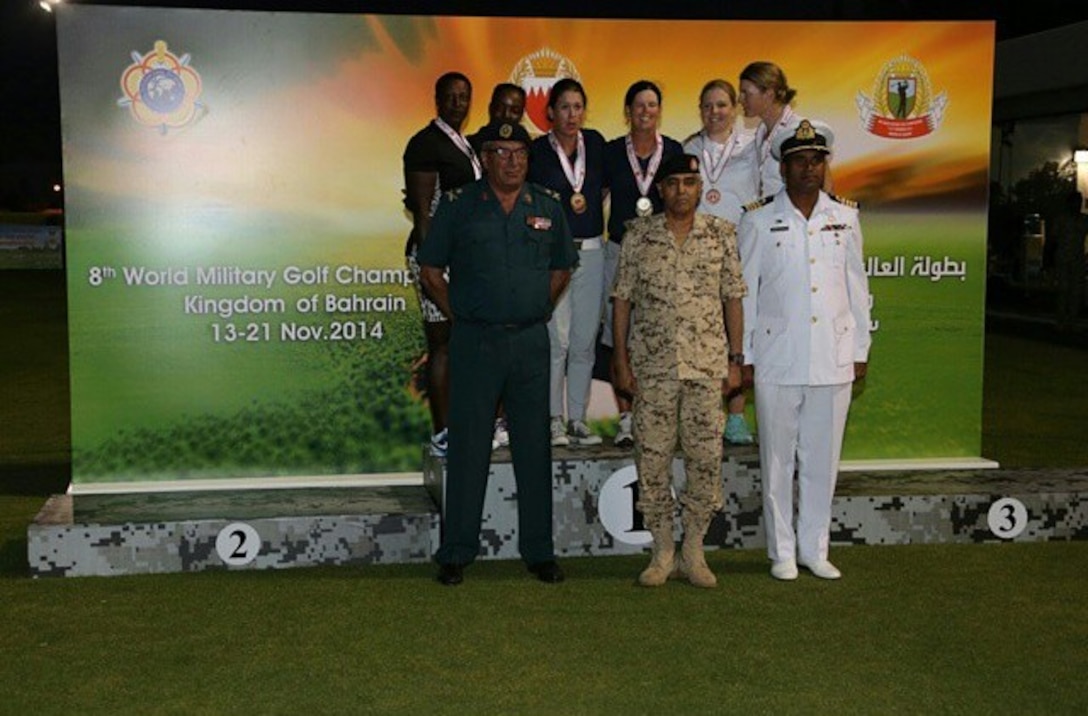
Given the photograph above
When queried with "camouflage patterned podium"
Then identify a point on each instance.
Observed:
(595, 490)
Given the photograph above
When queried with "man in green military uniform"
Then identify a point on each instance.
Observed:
(510, 255)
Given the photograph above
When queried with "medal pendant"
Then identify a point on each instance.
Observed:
(644, 207)
(713, 196)
(578, 202)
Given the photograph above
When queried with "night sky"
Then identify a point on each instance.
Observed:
(29, 118)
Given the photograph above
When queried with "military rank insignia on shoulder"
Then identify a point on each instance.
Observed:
(550, 192)
(845, 202)
(753, 205)
(717, 223)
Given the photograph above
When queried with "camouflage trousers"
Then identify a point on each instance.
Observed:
(688, 412)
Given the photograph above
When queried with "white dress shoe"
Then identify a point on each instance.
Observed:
(786, 570)
(822, 569)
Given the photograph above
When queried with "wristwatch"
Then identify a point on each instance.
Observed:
(736, 358)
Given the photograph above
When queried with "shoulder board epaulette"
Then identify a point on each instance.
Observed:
(845, 202)
(753, 205)
(545, 190)
(454, 194)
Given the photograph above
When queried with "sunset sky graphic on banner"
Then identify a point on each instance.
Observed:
(285, 151)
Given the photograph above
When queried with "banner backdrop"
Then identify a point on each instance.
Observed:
(238, 300)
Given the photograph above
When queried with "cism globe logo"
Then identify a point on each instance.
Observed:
(162, 91)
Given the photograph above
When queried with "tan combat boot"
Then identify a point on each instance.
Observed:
(692, 561)
(662, 563)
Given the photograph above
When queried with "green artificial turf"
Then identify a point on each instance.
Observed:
(947, 629)
(34, 424)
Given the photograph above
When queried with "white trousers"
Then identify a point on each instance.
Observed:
(611, 267)
(573, 333)
(799, 427)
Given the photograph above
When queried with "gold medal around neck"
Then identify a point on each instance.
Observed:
(713, 196)
(644, 207)
(578, 202)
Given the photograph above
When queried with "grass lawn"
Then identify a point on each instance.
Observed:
(945, 629)
(919, 629)
(1035, 403)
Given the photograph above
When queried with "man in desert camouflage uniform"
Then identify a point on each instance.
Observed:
(682, 272)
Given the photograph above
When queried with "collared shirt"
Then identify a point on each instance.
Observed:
(806, 317)
(429, 150)
(678, 328)
(737, 183)
(500, 264)
(545, 169)
(622, 186)
(770, 177)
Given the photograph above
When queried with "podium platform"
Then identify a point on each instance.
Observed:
(593, 509)
(593, 502)
(870, 507)
(248, 529)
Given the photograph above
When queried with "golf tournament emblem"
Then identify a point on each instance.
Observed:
(161, 89)
(536, 73)
(902, 104)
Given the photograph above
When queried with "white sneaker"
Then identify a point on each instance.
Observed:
(822, 569)
(440, 443)
(559, 432)
(624, 437)
(786, 570)
(580, 434)
(501, 436)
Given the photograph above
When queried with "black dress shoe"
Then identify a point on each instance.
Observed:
(547, 571)
(451, 574)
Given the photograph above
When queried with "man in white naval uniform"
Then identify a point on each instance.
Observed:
(806, 320)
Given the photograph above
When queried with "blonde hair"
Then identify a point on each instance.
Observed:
(723, 85)
(769, 76)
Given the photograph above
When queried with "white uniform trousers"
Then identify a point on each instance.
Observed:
(573, 333)
(611, 267)
(800, 427)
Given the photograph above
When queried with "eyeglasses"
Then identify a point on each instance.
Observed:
(520, 154)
